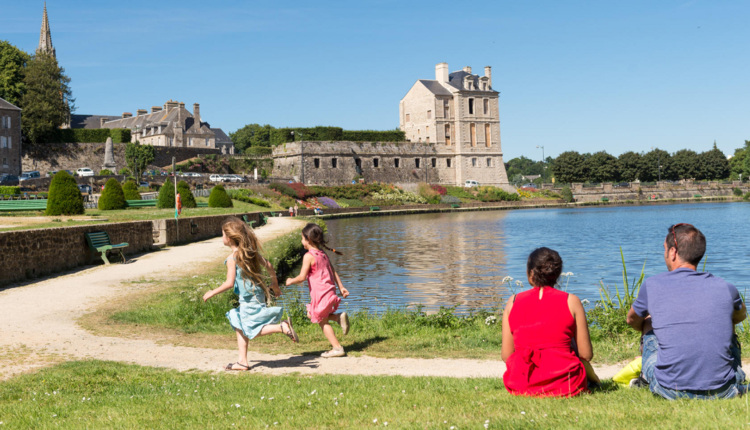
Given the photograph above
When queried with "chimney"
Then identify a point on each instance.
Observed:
(155, 109)
(441, 73)
(182, 105)
(488, 74)
(197, 114)
(101, 122)
(170, 105)
(127, 115)
(467, 69)
(140, 112)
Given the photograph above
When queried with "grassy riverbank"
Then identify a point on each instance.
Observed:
(96, 394)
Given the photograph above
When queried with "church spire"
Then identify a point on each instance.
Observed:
(45, 37)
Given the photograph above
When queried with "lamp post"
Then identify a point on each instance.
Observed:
(543, 162)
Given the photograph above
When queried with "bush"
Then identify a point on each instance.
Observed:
(249, 199)
(10, 190)
(350, 203)
(130, 189)
(280, 136)
(166, 195)
(439, 189)
(426, 191)
(449, 200)
(94, 135)
(186, 196)
(353, 191)
(125, 171)
(460, 192)
(64, 196)
(303, 193)
(329, 202)
(113, 197)
(373, 136)
(258, 150)
(219, 198)
(566, 194)
(737, 192)
(494, 194)
(120, 135)
(284, 189)
(105, 172)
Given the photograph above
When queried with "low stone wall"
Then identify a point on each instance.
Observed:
(28, 254)
(42, 184)
(186, 230)
(662, 190)
(524, 203)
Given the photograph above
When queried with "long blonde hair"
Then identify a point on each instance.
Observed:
(248, 256)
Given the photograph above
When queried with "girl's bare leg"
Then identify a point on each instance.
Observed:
(242, 347)
(330, 335)
(270, 329)
(335, 317)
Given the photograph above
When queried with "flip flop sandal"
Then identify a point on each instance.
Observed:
(230, 367)
(291, 334)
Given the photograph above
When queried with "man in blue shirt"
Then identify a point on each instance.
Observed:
(687, 319)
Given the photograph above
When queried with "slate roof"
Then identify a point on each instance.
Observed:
(7, 105)
(221, 137)
(435, 87)
(456, 80)
(165, 118)
(89, 121)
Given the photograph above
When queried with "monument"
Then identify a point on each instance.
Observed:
(109, 157)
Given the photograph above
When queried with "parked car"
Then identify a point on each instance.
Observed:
(85, 189)
(191, 175)
(470, 184)
(143, 184)
(8, 179)
(29, 175)
(233, 178)
(529, 185)
(622, 185)
(216, 178)
(84, 171)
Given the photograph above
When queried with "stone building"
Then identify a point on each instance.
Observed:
(10, 138)
(45, 36)
(169, 125)
(223, 141)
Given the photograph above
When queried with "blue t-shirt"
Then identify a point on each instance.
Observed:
(692, 317)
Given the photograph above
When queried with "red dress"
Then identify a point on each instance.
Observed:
(543, 363)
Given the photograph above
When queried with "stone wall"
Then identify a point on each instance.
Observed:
(186, 230)
(661, 190)
(28, 254)
(72, 156)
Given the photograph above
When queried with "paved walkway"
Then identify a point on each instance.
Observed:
(41, 317)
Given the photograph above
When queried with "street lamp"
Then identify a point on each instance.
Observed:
(543, 161)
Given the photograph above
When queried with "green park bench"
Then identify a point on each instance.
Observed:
(100, 242)
(697, 196)
(273, 214)
(247, 221)
(141, 203)
(455, 206)
(23, 205)
(374, 208)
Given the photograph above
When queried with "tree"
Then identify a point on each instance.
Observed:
(651, 162)
(186, 196)
(219, 198)
(686, 164)
(48, 100)
(569, 167)
(737, 165)
(252, 135)
(602, 167)
(130, 189)
(714, 164)
(112, 197)
(166, 195)
(13, 61)
(64, 196)
(139, 157)
(630, 166)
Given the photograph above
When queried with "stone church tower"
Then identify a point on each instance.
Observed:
(45, 37)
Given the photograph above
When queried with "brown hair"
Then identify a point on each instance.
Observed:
(689, 241)
(248, 256)
(314, 234)
(546, 265)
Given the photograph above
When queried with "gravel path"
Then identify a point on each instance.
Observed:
(41, 318)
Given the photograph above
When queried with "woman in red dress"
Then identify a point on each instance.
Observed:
(539, 327)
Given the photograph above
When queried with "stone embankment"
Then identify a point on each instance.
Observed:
(636, 191)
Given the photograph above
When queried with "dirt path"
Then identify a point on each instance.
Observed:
(38, 324)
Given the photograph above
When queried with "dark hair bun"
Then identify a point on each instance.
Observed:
(546, 266)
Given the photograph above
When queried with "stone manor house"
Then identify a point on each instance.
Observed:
(10, 138)
(452, 124)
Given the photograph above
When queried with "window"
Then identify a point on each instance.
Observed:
(427, 139)
(489, 162)
(486, 106)
(446, 108)
(487, 135)
(316, 161)
(375, 163)
(396, 162)
(334, 163)
(3, 143)
(10, 144)
(473, 134)
(473, 162)
(416, 163)
(418, 131)
(407, 118)
(420, 139)
(5, 162)
(448, 162)
(427, 130)
(448, 135)
(471, 106)
(429, 114)
(358, 162)
(484, 87)
(434, 162)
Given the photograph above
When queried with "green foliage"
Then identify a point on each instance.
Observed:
(630, 165)
(284, 189)
(243, 195)
(258, 150)
(608, 317)
(13, 190)
(125, 171)
(737, 192)
(84, 135)
(219, 198)
(166, 195)
(105, 172)
(350, 203)
(714, 164)
(352, 191)
(12, 64)
(252, 135)
(429, 194)
(280, 136)
(139, 157)
(64, 196)
(112, 197)
(394, 135)
(567, 194)
(130, 189)
(522, 166)
(395, 196)
(186, 196)
(651, 162)
(47, 101)
(602, 167)
(449, 200)
(494, 194)
(570, 166)
(686, 164)
(120, 135)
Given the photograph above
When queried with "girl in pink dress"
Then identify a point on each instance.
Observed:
(322, 280)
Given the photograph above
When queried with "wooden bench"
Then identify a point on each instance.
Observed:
(100, 242)
(455, 206)
(374, 208)
(247, 221)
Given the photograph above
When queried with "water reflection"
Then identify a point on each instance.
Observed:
(461, 258)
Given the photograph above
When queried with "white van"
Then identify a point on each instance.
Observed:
(471, 184)
(84, 171)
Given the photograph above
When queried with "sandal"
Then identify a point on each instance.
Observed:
(230, 367)
(291, 334)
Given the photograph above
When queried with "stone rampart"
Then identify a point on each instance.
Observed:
(661, 190)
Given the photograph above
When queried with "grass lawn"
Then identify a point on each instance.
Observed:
(98, 394)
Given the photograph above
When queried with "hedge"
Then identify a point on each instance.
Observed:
(186, 196)
(166, 195)
(130, 189)
(280, 136)
(219, 198)
(10, 190)
(373, 136)
(112, 197)
(64, 196)
(95, 135)
(259, 150)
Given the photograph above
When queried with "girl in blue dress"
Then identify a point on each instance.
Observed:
(253, 317)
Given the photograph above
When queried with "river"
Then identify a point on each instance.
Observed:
(460, 259)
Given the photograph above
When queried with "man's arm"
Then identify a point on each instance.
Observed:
(739, 315)
(634, 320)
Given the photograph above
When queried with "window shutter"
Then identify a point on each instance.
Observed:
(10, 139)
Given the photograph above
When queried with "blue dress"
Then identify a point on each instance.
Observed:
(252, 314)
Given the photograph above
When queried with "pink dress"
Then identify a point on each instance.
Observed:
(323, 298)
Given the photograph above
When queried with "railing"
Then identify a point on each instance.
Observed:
(23, 196)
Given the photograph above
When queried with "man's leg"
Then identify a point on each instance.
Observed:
(736, 350)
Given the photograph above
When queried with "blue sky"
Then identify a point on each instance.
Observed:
(574, 75)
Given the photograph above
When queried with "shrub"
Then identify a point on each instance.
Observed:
(303, 193)
(258, 150)
(286, 202)
(353, 191)
(105, 172)
(130, 189)
(64, 196)
(737, 192)
(460, 192)
(350, 203)
(186, 196)
(112, 197)
(95, 135)
(398, 196)
(373, 136)
(566, 194)
(219, 198)
(124, 171)
(249, 199)
(449, 200)
(284, 189)
(10, 190)
(329, 202)
(439, 189)
(166, 195)
(426, 191)
(494, 194)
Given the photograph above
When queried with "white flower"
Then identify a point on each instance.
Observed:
(236, 405)
(507, 279)
(585, 302)
(519, 284)
(490, 320)
(375, 420)
(569, 274)
(523, 413)
(313, 392)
